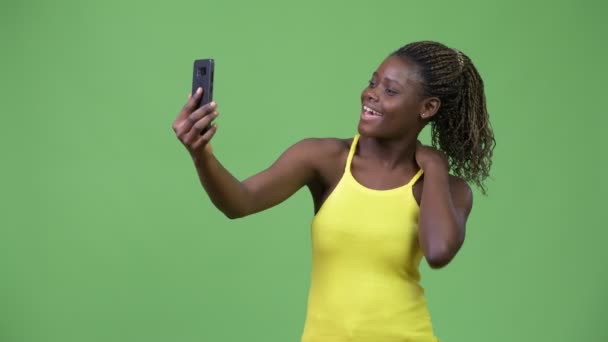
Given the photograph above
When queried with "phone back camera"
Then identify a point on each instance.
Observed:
(202, 71)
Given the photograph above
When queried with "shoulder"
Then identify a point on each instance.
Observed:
(325, 156)
(462, 194)
(460, 185)
(327, 144)
(322, 147)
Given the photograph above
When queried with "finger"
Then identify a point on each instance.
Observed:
(201, 112)
(190, 105)
(205, 121)
(186, 110)
(199, 127)
(205, 138)
(185, 124)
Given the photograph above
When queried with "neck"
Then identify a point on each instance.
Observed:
(390, 153)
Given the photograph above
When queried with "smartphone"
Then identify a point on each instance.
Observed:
(203, 77)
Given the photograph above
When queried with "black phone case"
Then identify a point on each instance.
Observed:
(203, 72)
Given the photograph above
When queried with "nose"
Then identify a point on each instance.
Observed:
(370, 95)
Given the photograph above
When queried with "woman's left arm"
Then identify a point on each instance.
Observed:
(444, 208)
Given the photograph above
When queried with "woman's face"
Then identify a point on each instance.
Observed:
(392, 102)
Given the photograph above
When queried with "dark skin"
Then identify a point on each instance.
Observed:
(388, 155)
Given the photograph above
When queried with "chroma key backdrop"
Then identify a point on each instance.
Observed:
(106, 234)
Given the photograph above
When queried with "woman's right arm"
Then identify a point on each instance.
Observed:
(292, 170)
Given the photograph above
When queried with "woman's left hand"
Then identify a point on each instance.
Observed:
(430, 157)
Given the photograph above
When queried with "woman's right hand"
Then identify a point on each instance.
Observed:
(192, 126)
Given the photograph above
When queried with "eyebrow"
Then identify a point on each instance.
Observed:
(389, 79)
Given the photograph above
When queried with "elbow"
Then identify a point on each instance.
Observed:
(439, 255)
(242, 205)
(438, 259)
(439, 250)
(234, 214)
(232, 211)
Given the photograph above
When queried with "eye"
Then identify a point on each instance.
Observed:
(390, 92)
(372, 83)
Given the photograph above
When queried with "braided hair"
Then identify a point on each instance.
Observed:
(461, 127)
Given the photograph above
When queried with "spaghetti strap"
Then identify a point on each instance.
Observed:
(351, 153)
(349, 160)
(415, 178)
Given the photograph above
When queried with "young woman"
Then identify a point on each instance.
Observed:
(382, 199)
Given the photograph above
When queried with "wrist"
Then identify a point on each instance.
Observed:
(202, 156)
(437, 164)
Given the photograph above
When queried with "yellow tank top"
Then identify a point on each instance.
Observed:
(365, 256)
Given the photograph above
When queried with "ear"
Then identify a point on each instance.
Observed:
(430, 107)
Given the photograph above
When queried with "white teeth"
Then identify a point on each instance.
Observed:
(371, 111)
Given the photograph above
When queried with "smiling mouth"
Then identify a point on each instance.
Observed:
(371, 112)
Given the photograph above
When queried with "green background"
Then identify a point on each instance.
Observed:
(106, 234)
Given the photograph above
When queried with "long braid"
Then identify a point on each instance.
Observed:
(461, 127)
